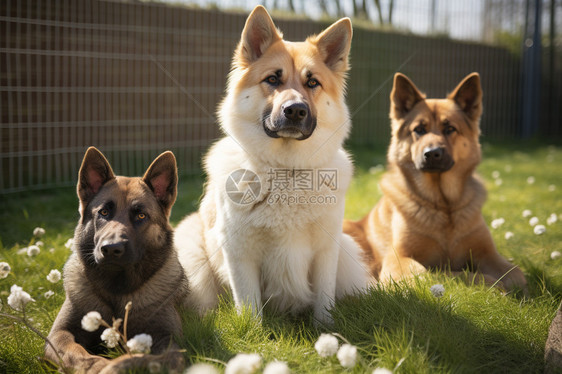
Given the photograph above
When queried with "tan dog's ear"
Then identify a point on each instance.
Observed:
(162, 178)
(404, 96)
(334, 44)
(468, 96)
(258, 35)
(94, 173)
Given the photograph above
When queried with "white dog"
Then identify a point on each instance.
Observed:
(270, 222)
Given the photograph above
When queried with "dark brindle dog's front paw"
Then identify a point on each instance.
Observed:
(172, 361)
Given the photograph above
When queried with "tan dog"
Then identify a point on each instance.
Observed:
(270, 224)
(430, 213)
(123, 252)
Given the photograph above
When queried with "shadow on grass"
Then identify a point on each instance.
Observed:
(399, 327)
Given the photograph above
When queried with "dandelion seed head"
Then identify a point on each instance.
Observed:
(243, 363)
(326, 345)
(69, 243)
(509, 235)
(140, 343)
(39, 243)
(527, 213)
(48, 294)
(33, 250)
(437, 290)
(551, 188)
(18, 298)
(4, 270)
(54, 276)
(38, 232)
(533, 221)
(111, 337)
(539, 229)
(91, 321)
(508, 168)
(495, 174)
(382, 371)
(552, 219)
(531, 180)
(498, 182)
(202, 369)
(497, 222)
(555, 255)
(277, 367)
(347, 355)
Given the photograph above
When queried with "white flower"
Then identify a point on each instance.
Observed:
(4, 269)
(539, 229)
(552, 219)
(497, 222)
(39, 243)
(551, 188)
(48, 294)
(326, 345)
(437, 290)
(382, 371)
(69, 243)
(509, 235)
(202, 369)
(91, 321)
(508, 168)
(18, 298)
(495, 174)
(533, 221)
(110, 336)
(347, 355)
(527, 213)
(54, 276)
(555, 255)
(277, 367)
(243, 363)
(38, 232)
(140, 343)
(33, 250)
(498, 182)
(531, 180)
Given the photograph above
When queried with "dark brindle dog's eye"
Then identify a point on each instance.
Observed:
(420, 130)
(272, 80)
(141, 216)
(104, 212)
(312, 83)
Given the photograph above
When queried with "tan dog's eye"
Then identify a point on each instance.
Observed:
(312, 83)
(449, 130)
(420, 130)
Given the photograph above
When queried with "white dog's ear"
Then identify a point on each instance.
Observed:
(468, 96)
(94, 173)
(258, 35)
(404, 96)
(334, 44)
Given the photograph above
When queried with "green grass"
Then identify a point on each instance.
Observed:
(471, 329)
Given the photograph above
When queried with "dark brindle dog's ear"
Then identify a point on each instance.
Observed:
(258, 35)
(162, 178)
(404, 96)
(468, 96)
(94, 173)
(334, 44)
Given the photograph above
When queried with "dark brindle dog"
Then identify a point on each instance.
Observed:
(123, 252)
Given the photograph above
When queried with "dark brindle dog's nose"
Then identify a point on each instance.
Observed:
(295, 111)
(114, 251)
